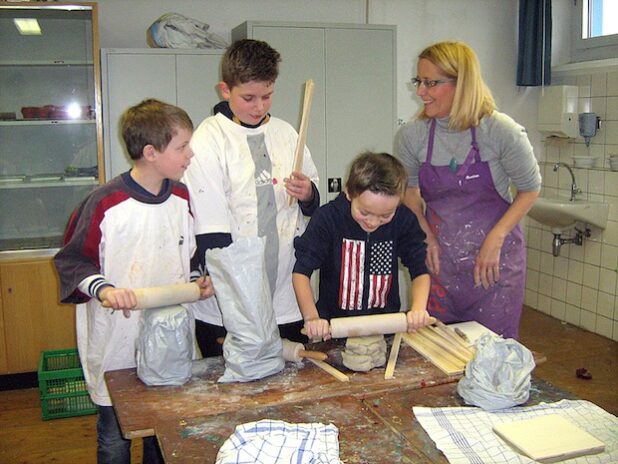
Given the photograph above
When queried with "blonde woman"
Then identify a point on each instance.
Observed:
(461, 156)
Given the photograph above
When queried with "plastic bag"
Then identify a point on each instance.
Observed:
(498, 376)
(252, 348)
(173, 30)
(165, 346)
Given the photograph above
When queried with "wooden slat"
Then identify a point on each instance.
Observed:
(434, 354)
(392, 358)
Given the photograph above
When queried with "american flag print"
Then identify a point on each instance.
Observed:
(380, 273)
(352, 274)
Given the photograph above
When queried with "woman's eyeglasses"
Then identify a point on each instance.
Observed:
(416, 82)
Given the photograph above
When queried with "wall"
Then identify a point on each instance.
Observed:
(580, 285)
(123, 24)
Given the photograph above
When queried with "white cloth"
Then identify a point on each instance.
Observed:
(465, 434)
(222, 184)
(274, 441)
(131, 258)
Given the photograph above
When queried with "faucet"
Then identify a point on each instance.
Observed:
(574, 189)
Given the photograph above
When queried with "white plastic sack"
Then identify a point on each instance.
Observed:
(252, 348)
(173, 30)
(165, 346)
(498, 376)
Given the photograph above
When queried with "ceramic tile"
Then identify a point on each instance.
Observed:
(611, 132)
(612, 83)
(611, 183)
(547, 263)
(572, 315)
(596, 179)
(589, 299)
(588, 320)
(610, 234)
(534, 259)
(609, 256)
(591, 276)
(584, 86)
(544, 304)
(574, 294)
(561, 267)
(545, 284)
(576, 272)
(611, 111)
(607, 280)
(604, 326)
(598, 84)
(558, 289)
(532, 280)
(598, 105)
(558, 309)
(605, 305)
(531, 299)
(592, 252)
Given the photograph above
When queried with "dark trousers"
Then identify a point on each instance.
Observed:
(113, 448)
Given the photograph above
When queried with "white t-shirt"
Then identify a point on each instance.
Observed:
(222, 183)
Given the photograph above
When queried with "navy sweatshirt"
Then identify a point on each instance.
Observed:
(358, 269)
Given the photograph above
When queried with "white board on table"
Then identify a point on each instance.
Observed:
(548, 438)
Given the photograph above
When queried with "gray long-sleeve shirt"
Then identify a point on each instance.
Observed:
(502, 143)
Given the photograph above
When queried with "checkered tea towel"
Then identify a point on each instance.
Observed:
(274, 441)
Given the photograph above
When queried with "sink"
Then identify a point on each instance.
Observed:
(560, 213)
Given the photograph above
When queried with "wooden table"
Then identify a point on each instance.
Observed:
(379, 428)
(374, 416)
(140, 408)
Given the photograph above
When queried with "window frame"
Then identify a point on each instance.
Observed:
(593, 48)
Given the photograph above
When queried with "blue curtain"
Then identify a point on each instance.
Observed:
(534, 48)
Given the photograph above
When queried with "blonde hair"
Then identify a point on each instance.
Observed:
(473, 99)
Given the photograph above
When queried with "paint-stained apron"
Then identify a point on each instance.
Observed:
(463, 205)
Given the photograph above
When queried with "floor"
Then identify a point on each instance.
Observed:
(25, 438)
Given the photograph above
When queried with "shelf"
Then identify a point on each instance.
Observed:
(44, 122)
(33, 183)
(47, 63)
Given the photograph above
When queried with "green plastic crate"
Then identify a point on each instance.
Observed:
(62, 386)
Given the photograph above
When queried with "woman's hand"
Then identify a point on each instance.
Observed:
(433, 254)
(487, 264)
(298, 186)
(317, 328)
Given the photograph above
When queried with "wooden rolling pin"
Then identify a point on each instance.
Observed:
(166, 295)
(374, 324)
(293, 351)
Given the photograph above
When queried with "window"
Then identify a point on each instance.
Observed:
(596, 29)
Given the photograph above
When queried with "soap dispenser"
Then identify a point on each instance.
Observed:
(588, 125)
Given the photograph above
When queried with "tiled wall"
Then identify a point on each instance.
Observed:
(581, 284)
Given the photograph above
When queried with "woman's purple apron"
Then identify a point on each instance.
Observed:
(462, 207)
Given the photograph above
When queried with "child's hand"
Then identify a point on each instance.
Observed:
(417, 319)
(119, 298)
(298, 186)
(206, 288)
(317, 328)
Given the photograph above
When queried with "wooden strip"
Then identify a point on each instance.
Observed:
(447, 346)
(302, 132)
(330, 369)
(468, 351)
(451, 334)
(433, 354)
(392, 358)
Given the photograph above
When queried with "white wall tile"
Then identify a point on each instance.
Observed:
(558, 289)
(598, 84)
(611, 111)
(574, 294)
(609, 256)
(607, 280)
(589, 299)
(544, 304)
(612, 83)
(531, 299)
(591, 276)
(611, 183)
(605, 305)
(532, 280)
(561, 267)
(611, 132)
(576, 272)
(588, 320)
(558, 309)
(572, 315)
(592, 252)
(545, 284)
(610, 234)
(547, 263)
(604, 327)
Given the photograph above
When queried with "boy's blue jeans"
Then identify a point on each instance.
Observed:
(112, 448)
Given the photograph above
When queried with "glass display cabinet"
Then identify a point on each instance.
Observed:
(50, 123)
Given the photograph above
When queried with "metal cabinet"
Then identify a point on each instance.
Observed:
(50, 136)
(354, 104)
(187, 78)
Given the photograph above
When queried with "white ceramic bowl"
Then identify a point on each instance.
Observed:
(584, 161)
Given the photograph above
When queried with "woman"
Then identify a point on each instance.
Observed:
(461, 156)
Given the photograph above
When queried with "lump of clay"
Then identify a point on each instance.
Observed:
(364, 353)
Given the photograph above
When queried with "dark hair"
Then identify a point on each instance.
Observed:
(378, 173)
(151, 122)
(249, 60)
